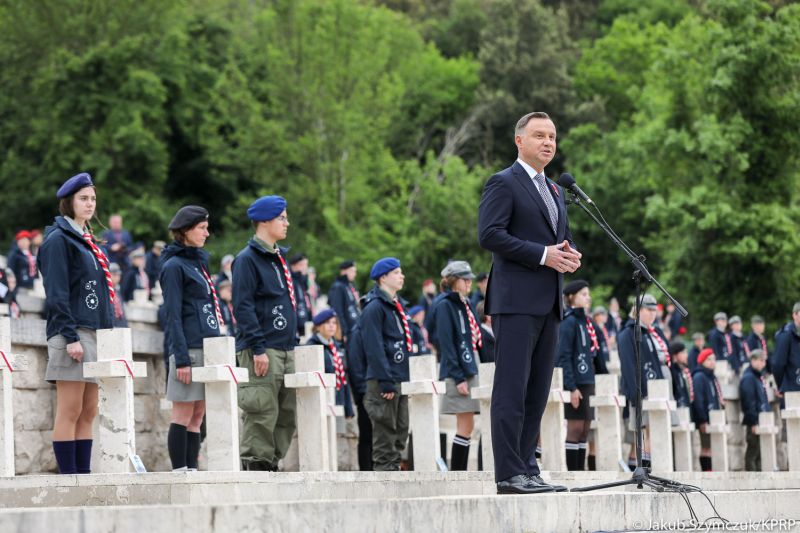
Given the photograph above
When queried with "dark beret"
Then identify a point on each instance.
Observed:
(323, 316)
(74, 184)
(575, 286)
(296, 258)
(346, 264)
(383, 266)
(188, 216)
(266, 208)
(676, 347)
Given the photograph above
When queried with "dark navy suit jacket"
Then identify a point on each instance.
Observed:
(514, 225)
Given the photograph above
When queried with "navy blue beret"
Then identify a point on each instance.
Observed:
(266, 208)
(384, 266)
(323, 316)
(74, 184)
(573, 287)
(188, 216)
(414, 310)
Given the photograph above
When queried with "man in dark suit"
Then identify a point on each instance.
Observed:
(522, 220)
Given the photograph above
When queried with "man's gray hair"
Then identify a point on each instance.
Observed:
(521, 123)
(796, 308)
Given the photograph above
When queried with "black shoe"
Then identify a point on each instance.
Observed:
(256, 466)
(521, 484)
(539, 481)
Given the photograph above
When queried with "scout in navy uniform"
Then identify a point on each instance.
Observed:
(325, 326)
(152, 262)
(419, 334)
(786, 358)
(22, 262)
(298, 264)
(698, 343)
(428, 294)
(386, 340)
(357, 373)
(265, 305)
(753, 396)
(718, 338)
(120, 320)
(682, 386)
(740, 351)
(343, 298)
(580, 357)
(458, 341)
(225, 292)
(756, 339)
(653, 350)
(600, 320)
(135, 278)
(79, 301)
(192, 313)
(707, 396)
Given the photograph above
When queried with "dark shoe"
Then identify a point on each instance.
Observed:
(539, 481)
(521, 484)
(256, 466)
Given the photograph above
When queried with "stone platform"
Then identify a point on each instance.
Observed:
(371, 501)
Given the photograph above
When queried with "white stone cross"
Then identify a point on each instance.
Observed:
(682, 440)
(9, 363)
(140, 297)
(553, 430)
(483, 393)
(222, 377)
(659, 407)
(607, 403)
(718, 429)
(334, 412)
(792, 416)
(310, 380)
(423, 413)
(115, 370)
(767, 432)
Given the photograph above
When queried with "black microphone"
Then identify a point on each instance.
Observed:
(568, 182)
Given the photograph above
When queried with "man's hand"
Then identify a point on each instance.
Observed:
(261, 364)
(75, 350)
(463, 388)
(387, 396)
(562, 258)
(575, 398)
(184, 374)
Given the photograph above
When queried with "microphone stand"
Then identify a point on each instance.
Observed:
(641, 475)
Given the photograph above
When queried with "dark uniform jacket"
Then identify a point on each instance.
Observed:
(487, 350)
(454, 339)
(651, 366)
(74, 281)
(356, 362)
(342, 298)
(261, 301)
(188, 302)
(152, 266)
(753, 395)
(418, 339)
(343, 394)
(18, 263)
(786, 358)
(131, 281)
(706, 395)
(384, 341)
(717, 341)
(682, 385)
(694, 351)
(303, 302)
(741, 352)
(575, 356)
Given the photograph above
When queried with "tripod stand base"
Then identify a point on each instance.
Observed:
(641, 478)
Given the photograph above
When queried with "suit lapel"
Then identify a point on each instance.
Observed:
(527, 183)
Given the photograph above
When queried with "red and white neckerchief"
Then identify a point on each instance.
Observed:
(338, 365)
(406, 329)
(604, 331)
(117, 308)
(31, 263)
(217, 310)
(719, 392)
(474, 328)
(763, 342)
(592, 335)
(144, 280)
(661, 344)
(354, 292)
(689, 385)
(764, 384)
(728, 343)
(103, 260)
(288, 276)
(230, 310)
(746, 348)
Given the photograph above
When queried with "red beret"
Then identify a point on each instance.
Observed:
(703, 355)
(23, 234)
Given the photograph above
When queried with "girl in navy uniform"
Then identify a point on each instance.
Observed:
(386, 340)
(653, 350)
(22, 261)
(458, 338)
(79, 301)
(580, 357)
(298, 264)
(192, 313)
(682, 385)
(707, 396)
(344, 299)
(325, 326)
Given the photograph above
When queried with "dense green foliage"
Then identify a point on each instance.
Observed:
(381, 120)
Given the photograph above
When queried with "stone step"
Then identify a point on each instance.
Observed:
(553, 513)
(244, 487)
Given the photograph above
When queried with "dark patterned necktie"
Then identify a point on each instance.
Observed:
(552, 210)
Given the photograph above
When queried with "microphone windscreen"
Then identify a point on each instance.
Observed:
(566, 180)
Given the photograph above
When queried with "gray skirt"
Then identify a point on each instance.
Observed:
(62, 367)
(180, 392)
(454, 403)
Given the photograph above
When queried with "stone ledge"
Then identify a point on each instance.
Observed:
(32, 332)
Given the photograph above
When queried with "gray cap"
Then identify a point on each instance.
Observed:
(459, 269)
(599, 310)
(114, 268)
(649, 301)
(137, 253)
(720, 316)
(734, 319)
(698, 336)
